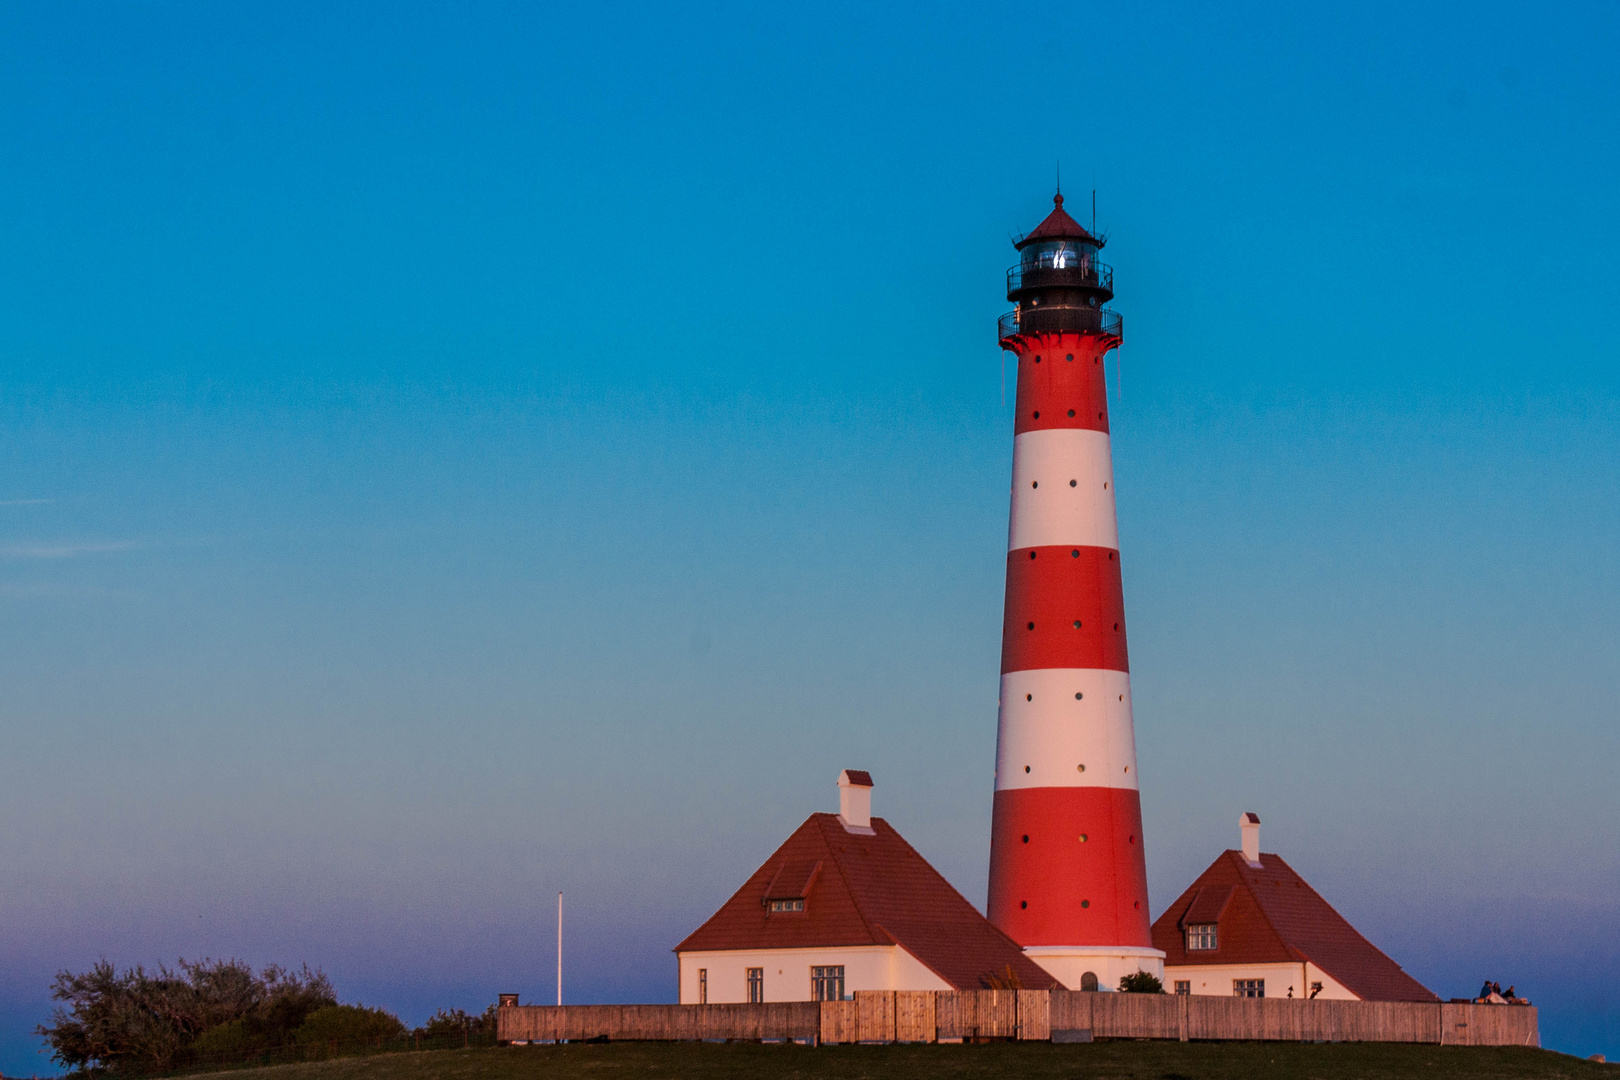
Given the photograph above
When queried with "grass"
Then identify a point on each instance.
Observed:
(1124, 1060)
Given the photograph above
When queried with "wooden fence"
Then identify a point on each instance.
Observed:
(886, 1016)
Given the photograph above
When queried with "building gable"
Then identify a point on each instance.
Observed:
(1269, 914)
(861, 889)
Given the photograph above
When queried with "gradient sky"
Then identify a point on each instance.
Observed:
(453, 453)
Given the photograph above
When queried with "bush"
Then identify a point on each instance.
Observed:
(135, 1022)
(228, 1042)
(455, 1023)
(1141, 983)
(348, 1026)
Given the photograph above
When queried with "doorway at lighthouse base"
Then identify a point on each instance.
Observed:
(1096, 967)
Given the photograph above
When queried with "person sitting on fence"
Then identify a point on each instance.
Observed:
(1484, 991)
(1512, 998)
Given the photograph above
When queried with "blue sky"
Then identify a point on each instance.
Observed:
(453, 453)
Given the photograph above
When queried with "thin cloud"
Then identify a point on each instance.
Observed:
(12, 590)
(25, 502)
(62, 550)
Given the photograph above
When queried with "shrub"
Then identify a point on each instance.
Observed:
(1141, 983)
(348, 1026)
(448, 1023)
(137, 1022)
(231, 1041)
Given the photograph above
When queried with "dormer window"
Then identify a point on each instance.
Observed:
(1200, 937)
(795, 904)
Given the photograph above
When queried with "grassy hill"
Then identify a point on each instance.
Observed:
(1014, 1061)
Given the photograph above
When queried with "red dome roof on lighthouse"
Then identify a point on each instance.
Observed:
(1057, 226)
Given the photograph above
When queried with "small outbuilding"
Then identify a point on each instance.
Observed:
(1251, 927)
(846, 904)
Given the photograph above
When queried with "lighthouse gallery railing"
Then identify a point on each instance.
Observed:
(1030, 321)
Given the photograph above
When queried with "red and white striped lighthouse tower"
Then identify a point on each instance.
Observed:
(1068, 880)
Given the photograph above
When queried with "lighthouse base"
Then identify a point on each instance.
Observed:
(1096, 967)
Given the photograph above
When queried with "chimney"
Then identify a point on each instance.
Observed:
(1250, 824)
(855, 801)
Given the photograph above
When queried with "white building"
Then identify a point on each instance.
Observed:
(1251, 927)
(845, 904)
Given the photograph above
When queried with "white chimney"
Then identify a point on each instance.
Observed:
(1250, 824)
(855, 801)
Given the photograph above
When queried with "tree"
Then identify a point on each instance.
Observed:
(1140, 983)
(135, 1022)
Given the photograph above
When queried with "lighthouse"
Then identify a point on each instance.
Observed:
(1068, 880)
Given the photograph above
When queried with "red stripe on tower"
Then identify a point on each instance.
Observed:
(1068, 880)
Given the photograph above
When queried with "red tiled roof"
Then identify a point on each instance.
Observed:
(1057, 226)
(1208, 904)
(1270, 915)
(858, 777)
(793, 879)
(870, 890)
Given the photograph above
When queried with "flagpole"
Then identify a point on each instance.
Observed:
(559, 948)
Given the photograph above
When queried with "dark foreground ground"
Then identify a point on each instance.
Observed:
(1014, 1061)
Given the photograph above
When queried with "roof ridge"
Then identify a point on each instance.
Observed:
(1265, 915)
(1365, 939)
(834, 852)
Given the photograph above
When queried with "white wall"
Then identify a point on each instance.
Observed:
(1216, 979)
(787, 972)
(1069, 965)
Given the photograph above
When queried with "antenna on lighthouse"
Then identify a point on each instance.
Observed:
(1093, 211)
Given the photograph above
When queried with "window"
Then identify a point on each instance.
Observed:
(827, 983)
(756, 986)
(703, 986)
(1200, 936)
(787, 905)
(1183, 986)
(1248, 988)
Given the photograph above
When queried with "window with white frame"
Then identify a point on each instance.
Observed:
(1251, 988)
(703, 986)
(786, 905)
(1200, 936)
(756, 986)
(827, 983)
(1183, 986)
